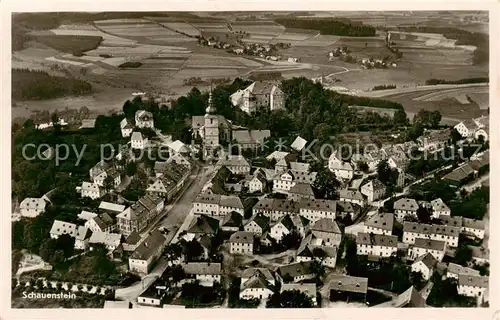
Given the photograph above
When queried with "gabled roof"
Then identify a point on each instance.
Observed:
(287, 222)
(136, 135)
(473, 224)
(62, 227)
(241, 237)
(251, 136)
(406, 204)
(233, 160)
(473, 281)
(264, 272)
(203, 268)
(82, 233)
(257, 281)
(231, 201)
(339, 165)
(374, 239)
(204, 225)
(381, 220)
(296, 269)
(428, 260)
(458, 269)
(124, 124)
(308, 288)
(143, 115)
(89, 186)
(261, 220)
(430, 244)
(373, 185)
(133, 238)
(299, 166)
(326, 225)
(439, 205)
(348, 284)
(233, 219)
(318, 205)
(277, 155)
(111, 206)
(451, 221)
(351, 194)
(110, 239)
(460, 173)
(33, 204)
(302, 189)
(423, 228)
(149, 246)
(86, 215)
(178, 146)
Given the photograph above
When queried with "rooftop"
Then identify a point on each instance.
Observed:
(348, 284)
(241, 237)
(149, 246)
(384, 221)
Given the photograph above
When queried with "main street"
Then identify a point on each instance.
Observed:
(172, 218)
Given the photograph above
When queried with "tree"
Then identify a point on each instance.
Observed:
(318, 269)
(192, 249)
(291, 240)
(400, 117)
(109, 183)
(18, 234)
(424, 214)
(129, 109)
(455, 136)
(66, 243)
(325, 185)
(463, 254)
(289, 299)
(131, 169)
(58, 257)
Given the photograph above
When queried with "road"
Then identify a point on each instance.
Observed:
(173, 217)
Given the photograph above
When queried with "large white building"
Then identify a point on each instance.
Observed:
(405, 207)
(373, 190)
(241, 242)
(316, 209)
(217, 205)
(90, 190)
(380, 223)
(373, 244)
(422, 246)
(205, 272)
(415, 230)
(352, 196)
(138, 141)
(472, 227)
(237, 164)
(276, 208)
(256, 283)
(425, 265)
(259, 93)
(147, 252)
(284, 181)
(32, 207)
(144, 119)
(454, 270)
(439, 208)
(472, 286)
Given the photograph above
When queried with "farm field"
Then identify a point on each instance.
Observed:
(90, 30)
(69, 43)
(182, 27)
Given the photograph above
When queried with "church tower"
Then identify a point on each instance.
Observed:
(211, 136)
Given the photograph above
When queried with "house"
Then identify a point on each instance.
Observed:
(205, 272)
(82, 237)
(32, 207)
(373, 190)
(283, 227)
(466, 128)
(328, 231)
(98, 169)
(295, 272)
(139, 215)
(422, 246)
(439, 208)
(300, 191)
(126, 128)
(257, 224)
(451, 221)
(378, 245)
(138, 141)
(132, 241)
(249, 139)
(480, 255)
(237, 164)
(415, 230)
(111, 208)
(299, 143)
(241, 242)
(144, 119)
(277, 156)
(110, 172)
(203, 225)
(275, 208)
(316, 209)
(311, 246)
(460, 175)
(90, 190)
(309, 289)
(454, 270)
(147, 252)
(256, 283)
(473, 227)
(472, 286)
(110, 240)
(180, 160)
(102, 223)
(347, 288)
(380, 223)
(405, 207)
(259, 94)
(258, 182)
(177, 147)
(353, 196)
(153, 295)
(86, 215)
(284, 181)
(300, 223)
(433, 140)
(425, 265)
(217, 205)
(342, 170)
(232, 222)
(61, 227)
(411, 298)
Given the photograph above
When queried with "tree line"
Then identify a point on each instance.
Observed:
(433, 81)
(329, 26)
(39, 85)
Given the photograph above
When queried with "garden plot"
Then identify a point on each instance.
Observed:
(182, 27)
(89, 30)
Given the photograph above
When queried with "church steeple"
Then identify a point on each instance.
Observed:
(210, 108)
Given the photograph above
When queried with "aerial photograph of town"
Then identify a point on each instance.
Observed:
(335, 159)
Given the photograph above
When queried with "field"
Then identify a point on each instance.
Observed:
(89, 30)
(182, 27)
(71, 44)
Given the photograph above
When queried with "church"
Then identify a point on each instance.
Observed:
(211, 128)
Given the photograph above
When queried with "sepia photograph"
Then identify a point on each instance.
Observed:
(250, 159)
